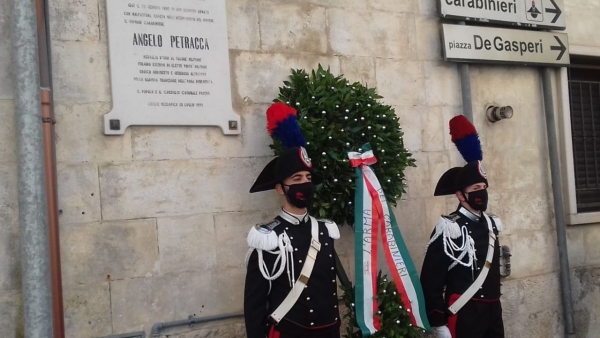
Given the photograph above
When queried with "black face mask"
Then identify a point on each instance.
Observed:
(477, 200)
(300, 195)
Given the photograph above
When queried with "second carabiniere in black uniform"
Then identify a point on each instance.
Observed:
(461, 269)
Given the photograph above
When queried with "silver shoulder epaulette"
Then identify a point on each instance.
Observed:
(332, 228)
(267, 227)
(262, 236)
(452, 217)
(448, 226)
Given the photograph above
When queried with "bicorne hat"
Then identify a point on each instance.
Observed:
(282, 125)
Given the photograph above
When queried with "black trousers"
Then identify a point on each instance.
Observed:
(478, 319)
(333, 332)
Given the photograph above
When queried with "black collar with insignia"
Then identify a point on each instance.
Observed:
(463, 211)
(294, 219)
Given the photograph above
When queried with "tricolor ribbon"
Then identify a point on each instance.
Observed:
(373, 217)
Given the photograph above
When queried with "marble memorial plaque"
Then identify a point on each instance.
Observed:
(169, 65)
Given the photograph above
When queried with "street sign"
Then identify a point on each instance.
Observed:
(498, 45)
(545, 14)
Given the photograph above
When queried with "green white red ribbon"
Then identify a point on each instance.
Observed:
(372, 219)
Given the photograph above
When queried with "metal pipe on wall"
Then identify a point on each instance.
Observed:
(50, 167)
(53, 225)
(158, 327)
(465, 88)
(559, 211)
(37, 305)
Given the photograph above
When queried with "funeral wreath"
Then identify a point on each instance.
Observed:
(337, 117)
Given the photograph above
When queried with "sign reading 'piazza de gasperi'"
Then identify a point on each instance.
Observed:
(497, 45)
(169, 65)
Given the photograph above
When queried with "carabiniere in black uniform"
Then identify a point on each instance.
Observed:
(441, 283)
(461, 270)
(279, 251)
(317, 307)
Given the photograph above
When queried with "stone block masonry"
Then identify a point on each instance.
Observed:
(153, 222)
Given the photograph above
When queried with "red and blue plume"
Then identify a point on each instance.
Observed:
(282, 125)
(465, 138)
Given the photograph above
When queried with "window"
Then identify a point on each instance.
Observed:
(584, 97)
(578, 113)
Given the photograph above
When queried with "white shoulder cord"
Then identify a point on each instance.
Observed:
(467, 247)
(437, 234)
(281, 263)
(290, 261)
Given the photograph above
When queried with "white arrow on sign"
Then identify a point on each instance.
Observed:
(547, 14)
(499, 45)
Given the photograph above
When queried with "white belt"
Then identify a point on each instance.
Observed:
(472, 290)
(307, 268)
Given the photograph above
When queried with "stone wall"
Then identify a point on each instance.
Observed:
(10, 264)
(153, 222)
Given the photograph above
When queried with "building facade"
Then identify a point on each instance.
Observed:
(153, 223)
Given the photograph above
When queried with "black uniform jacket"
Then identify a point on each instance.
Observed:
(439, 283)
(317, 307)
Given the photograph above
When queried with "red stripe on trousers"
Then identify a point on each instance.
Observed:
(453, 318)
(274, 333)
